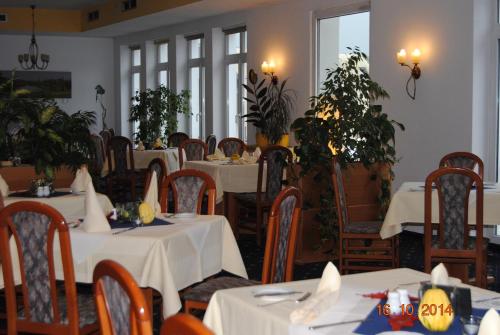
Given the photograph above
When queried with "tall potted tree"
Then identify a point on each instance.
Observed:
(343, 121)
(156, 112)
(270, 106)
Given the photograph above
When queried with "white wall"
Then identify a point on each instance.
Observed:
(90, 61)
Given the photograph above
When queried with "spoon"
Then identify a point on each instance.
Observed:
(300, 299)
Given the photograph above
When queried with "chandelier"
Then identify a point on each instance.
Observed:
(29, 61)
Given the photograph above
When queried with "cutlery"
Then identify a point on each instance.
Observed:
(273, 294)
(335, 324)
(122, 231)
(300, 299)
(169, 215)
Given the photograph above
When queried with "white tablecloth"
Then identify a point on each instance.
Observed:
(143, 158)
(70, 206)
(228, 177)
(166, 258)
(235, 311)
(407, 206)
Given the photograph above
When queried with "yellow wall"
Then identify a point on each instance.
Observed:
(64, 21)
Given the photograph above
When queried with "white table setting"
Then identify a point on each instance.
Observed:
(337, 304)
(407, 206)
(142, 158)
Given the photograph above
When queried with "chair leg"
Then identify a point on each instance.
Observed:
(341, 255)
(132, 186)
(258, 226)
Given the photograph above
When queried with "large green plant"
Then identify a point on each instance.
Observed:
(270, 106)
(344, 121)
(156, 112)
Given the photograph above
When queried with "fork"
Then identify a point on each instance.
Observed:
(300, 299)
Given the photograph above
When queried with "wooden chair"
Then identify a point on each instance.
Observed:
(188, 187)
(98, 157)
(368, 247)
(465, 160)
(211, 142)
(121, 305)
(232, 145)
(33, 226)
(157, 165)
(192, 150)
(273, 160)
(184, 324)
(175, 139)
(452, 244)
(279, 254)
(106, 136)
(112, 132)
(121, 165)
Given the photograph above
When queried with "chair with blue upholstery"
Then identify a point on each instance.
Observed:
(188, 188)
(44, 310)
(272, 164)
(175, 139)
(211, 142)
(374, 253)
(156, 165)
(449, 240)
(192, 150)
(232, 145)
(121, 305)
(279, 254)
(465, 160)
(121, 167)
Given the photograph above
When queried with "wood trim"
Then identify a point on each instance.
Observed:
(444, 162)
(191, 141)
(184, 324)
(242, 145)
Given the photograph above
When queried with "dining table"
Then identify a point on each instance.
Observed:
(67, 203)
(142, 158)
(407, 207)
(167, 257)
(237, 311)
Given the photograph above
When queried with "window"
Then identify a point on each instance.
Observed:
(162, 70)
(334, 35)
(135, 76)
(236, 70)
(196, 80)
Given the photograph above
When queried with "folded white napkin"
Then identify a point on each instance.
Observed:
(439, 275)
(95, 221)
(257, 153)
(151, 197)
(4, 188)
(326, 296)
(490, 325)
(247, 158)
(82, 179)
(219, 154)
(140, 146)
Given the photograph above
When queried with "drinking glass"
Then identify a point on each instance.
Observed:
(470, 324)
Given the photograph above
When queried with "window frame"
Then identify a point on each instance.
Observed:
(134, 69)
(161, 66)
(197, 63)
(240, 59)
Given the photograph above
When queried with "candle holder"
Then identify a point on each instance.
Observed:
(415, 71)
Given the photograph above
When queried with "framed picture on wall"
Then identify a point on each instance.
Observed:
(40, 84)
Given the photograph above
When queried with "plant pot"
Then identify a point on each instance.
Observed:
(262, 140)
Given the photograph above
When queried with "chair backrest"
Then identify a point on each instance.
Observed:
(120, 156)
(453, 189)
(175, 139)
(273, 162)
(211, 144)
(112, 132)
(157, 165)
(121, 306)
(279, 255)
(192, 150)
(106, 136)
(188, 187)
(340, 197)
(232, 145)
(465, 160)
(184, 324)
(32, 226)
(98, 156)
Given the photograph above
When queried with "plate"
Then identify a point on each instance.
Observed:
(272, 290)
(185, 216)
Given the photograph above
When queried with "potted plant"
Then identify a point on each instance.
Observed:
(343, 121)
(270, 107)
(156, 111)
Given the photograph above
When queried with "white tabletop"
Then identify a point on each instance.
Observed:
(144, 157)
(407, 206)
(236, 311)
(70, 205)
(167, 258)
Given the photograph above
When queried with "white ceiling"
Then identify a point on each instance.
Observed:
(53, 4)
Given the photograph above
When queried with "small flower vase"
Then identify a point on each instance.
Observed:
(46, 191)
(39, 191)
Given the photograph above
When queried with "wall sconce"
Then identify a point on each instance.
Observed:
(269, 69)
(415, 70)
